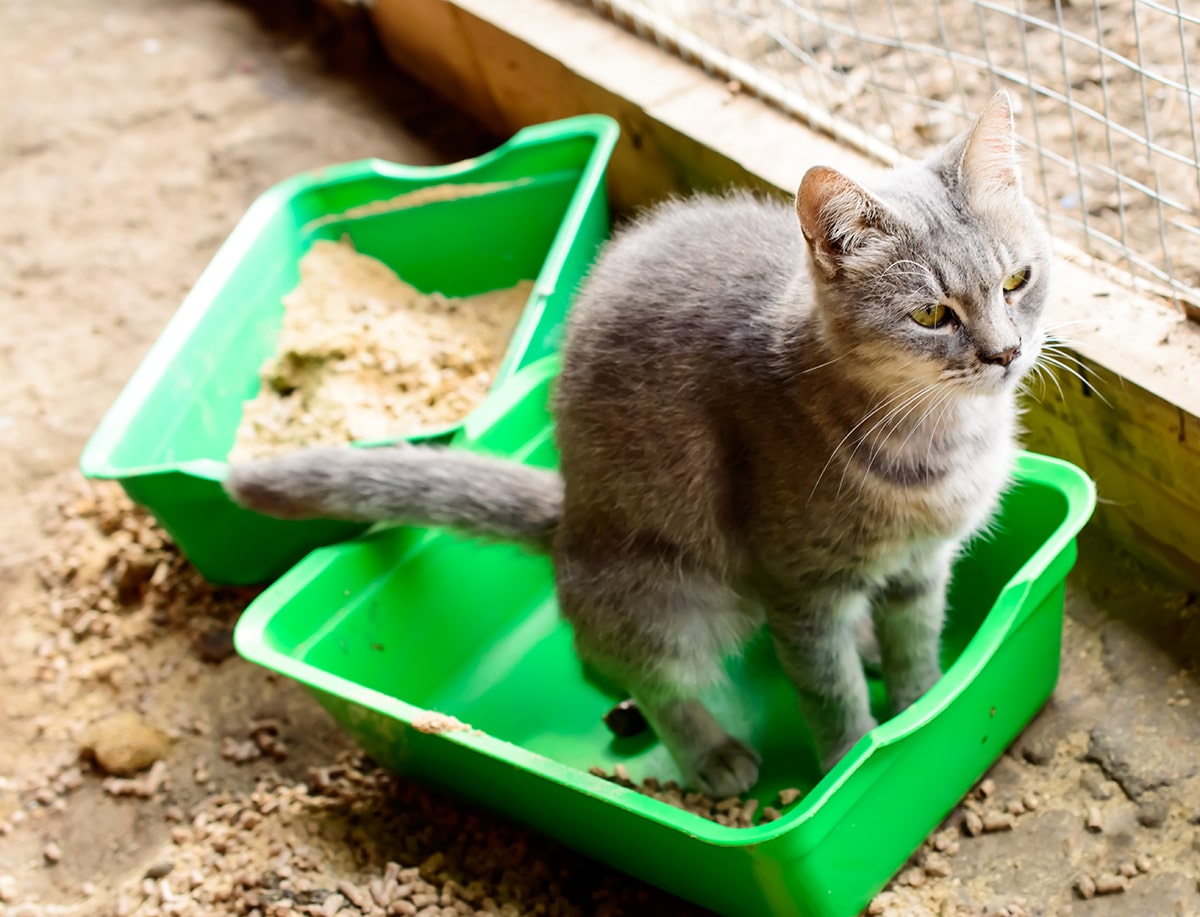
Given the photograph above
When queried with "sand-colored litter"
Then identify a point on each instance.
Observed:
(365, 356)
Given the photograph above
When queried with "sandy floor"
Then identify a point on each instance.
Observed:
(131, 139)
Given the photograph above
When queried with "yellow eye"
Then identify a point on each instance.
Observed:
(931, 316)
(1015, 281)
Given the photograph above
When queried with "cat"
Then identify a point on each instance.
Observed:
(795, 416)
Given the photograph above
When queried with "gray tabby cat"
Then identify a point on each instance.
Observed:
(758, 423)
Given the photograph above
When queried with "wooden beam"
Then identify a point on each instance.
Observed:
(1131, 422)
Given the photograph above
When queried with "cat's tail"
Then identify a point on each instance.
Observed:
(419, 485)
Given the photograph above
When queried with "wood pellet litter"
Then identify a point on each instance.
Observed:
(244, 829)
(364, 356)
(733, 812)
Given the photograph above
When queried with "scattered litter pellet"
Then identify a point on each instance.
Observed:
(770, 813)
(1127, 869)
(1016, 807)
(998, 821)
(973, 824)
(987, 788)
(1111, 885)
(1086, 888)
(936, 865)
(1095, 821)
(1030, 801)
(8, 889)
(912, 877)
(52, 853)
(788, 796)
(881, 903)
(433, 723)
(1142, 862)
(363, 355)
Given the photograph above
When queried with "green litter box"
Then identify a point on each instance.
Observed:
(406, 620)
(541, 215)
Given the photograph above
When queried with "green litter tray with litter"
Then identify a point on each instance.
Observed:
(407, 620)
(535, 209)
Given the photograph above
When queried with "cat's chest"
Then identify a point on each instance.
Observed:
(876, 526)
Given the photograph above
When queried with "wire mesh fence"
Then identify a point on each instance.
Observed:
(1103, 90)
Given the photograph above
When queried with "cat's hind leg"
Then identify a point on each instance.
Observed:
(663, 635)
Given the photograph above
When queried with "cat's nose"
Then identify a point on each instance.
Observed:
(1002, 357)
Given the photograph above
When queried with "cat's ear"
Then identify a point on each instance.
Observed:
(837, 216)
(989, 159)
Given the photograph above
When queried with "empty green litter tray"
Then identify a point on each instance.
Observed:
(537, 210)
(407, 620)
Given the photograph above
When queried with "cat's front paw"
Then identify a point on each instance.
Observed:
(728, 769)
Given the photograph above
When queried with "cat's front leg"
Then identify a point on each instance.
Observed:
(815, 637)
(909, 613)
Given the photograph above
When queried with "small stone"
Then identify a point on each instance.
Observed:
(1111, 885)
(125, 744)
(1036, 751)
(215, 646)
(52, 853)
(1086, 888)
(1097, 786)
(1095, 821)
(973, 824)
(788, 796)
(1152, 812)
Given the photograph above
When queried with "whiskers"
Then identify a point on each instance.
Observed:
(1057, 354)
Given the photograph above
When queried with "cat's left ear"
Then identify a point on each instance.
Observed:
(989, 160)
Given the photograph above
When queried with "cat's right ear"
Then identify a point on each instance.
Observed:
(837, 216)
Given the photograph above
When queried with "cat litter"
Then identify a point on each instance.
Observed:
(355, 621)
(362, 355)
(532, 211)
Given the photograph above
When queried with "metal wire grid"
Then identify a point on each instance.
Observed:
(1105, 103)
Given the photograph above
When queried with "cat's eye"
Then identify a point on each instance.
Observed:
(934, 315)
(1016, 280)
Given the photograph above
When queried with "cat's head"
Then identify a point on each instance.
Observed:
(937, 274)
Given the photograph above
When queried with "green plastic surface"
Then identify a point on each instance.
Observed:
(168, 433)
(405, 620)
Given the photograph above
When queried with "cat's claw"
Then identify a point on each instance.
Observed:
(728, 769)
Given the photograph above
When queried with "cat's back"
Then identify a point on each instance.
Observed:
(712, 260)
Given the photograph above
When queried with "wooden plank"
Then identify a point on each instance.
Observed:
(1134, 427)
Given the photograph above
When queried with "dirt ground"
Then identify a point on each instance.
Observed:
(131, 139)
